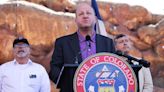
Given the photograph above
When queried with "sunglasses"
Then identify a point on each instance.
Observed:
(20, 45)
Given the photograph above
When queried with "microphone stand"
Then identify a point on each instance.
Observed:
(135, 68)
(62, 69)
(130, 58)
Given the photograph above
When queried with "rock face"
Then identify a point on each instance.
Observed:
(42, 26)
(39, 27)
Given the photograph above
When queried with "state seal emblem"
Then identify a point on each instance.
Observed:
(104, 72)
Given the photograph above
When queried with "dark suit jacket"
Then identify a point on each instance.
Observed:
(65, 51)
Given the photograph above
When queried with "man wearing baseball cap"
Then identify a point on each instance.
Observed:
(21, 74)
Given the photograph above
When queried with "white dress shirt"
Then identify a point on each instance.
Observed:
(30, 77)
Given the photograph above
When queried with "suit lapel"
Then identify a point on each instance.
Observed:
(74, 44)
(98, 44)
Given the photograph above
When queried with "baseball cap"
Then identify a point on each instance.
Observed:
(20, 39)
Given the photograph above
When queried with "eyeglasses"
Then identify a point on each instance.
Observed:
(20, 45)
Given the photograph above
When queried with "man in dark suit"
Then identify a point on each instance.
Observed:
(80, 45)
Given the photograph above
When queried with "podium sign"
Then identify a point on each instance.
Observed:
(104, 72)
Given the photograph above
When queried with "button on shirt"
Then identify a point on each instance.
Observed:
(86, 51)
(30, 77)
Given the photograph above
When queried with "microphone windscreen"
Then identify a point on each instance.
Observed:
(120, 53)
(88, 38)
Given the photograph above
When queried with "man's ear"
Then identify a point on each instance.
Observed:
(95, 19)
(131, 42)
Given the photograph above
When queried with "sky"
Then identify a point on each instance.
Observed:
(154, 6)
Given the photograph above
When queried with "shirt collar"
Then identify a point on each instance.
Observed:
(82, 38)
(29, 62)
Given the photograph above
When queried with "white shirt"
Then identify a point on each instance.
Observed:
(30, 77)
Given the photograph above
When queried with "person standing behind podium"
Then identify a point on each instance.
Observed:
(124, 44)
(21, 74)
(77, 45)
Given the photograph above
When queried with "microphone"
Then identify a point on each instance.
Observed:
(88, 39)
(140, 61)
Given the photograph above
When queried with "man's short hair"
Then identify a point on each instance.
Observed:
(119, 36)
(84, 2)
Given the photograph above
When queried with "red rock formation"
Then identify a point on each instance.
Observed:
(39, 27)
